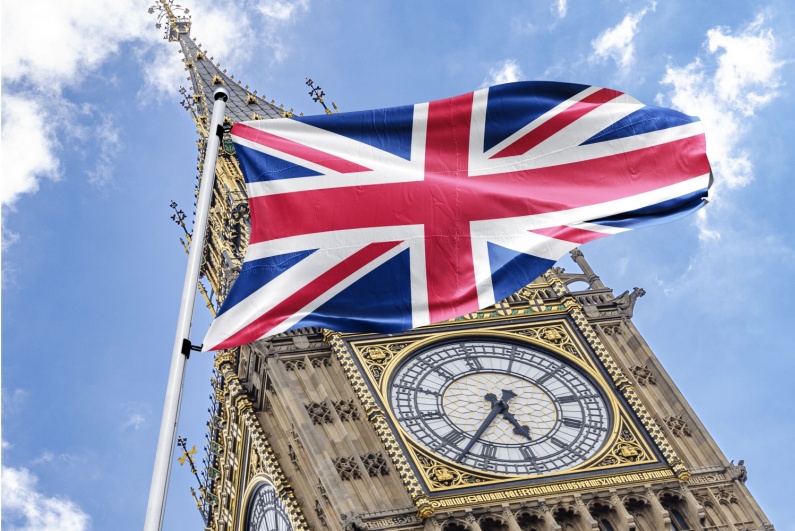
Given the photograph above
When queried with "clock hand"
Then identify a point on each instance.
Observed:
(497, 407)
(518, 429)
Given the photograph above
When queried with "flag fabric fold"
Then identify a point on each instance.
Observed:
(385, 220)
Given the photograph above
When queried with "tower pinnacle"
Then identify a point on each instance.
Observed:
(207, 75)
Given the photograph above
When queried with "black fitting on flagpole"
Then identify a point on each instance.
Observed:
(220, 93)
(187, 346)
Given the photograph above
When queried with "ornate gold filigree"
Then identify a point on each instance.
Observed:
(626, 449)
(377, 357)
(622, 383)
(443, 476)
(264, 460)
(378, 421)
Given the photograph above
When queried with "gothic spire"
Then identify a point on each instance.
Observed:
(206, 75)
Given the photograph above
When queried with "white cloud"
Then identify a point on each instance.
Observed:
(164, 73)
(617, 43)
(66, 46)
(27, 509)
(224, 33)
(46, 457)
(106, 135)
(29, 147)
(506, 71)
(560, 8)
(283, 10)
(135, 421)
(740, 75)
(70, 39)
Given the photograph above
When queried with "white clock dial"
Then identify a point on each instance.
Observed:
(266, 511)
(502, 407)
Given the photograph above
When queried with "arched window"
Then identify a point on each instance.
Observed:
(493, 524)
(677, 521)
(604, 525)
(530, 522)
(641, 524)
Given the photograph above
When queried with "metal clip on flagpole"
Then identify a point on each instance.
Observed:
(176, 377)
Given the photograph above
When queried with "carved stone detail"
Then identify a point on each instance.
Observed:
(621, 382)
(726, 496)
(322, 491)
(625, 450)
(678, 426)
(379, 423)
(347, 467)
(292, 365)
(740, 472)
(319, 412)
(293, 456)
(321, 514)
(376, 464)
(322, 361)
(346, 410)
(626, 301)
(643, 375)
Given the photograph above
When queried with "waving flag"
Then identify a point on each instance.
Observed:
(394, 218)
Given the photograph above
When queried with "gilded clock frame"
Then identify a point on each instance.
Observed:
(253, 486)
(636, 450)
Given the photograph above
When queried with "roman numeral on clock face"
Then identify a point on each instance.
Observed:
(453, 438)
(572, 423)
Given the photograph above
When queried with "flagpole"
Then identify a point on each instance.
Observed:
(176, 377)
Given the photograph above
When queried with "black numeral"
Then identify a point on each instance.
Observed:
(572, 423)
(453, 438)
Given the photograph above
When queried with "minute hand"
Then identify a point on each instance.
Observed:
(497, 407)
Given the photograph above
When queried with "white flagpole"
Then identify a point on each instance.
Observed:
(176, 376)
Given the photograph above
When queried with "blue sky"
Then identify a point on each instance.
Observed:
(95, 146)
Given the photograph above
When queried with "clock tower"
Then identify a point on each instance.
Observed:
(547, 411)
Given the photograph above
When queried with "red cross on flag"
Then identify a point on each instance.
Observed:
(385, 220)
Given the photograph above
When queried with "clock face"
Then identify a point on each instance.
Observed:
(266, 511)
(500, 407)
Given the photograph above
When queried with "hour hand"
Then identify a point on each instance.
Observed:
(518, 429)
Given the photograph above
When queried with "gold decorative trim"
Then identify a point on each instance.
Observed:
(265, 464)
(379, 356)
(536, 491)
(620, 381)
(379, 423)
(217, 80)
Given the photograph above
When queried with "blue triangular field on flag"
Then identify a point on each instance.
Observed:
(502, 181)
(250, 159)
(384, 292)
(385, 129)
(511, 268)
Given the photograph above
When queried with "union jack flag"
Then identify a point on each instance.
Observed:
(385, 220)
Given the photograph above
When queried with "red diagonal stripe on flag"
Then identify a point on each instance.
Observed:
(296, 149)
(570, 234)
(442, 197)
(305, 295)
(558, 122)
